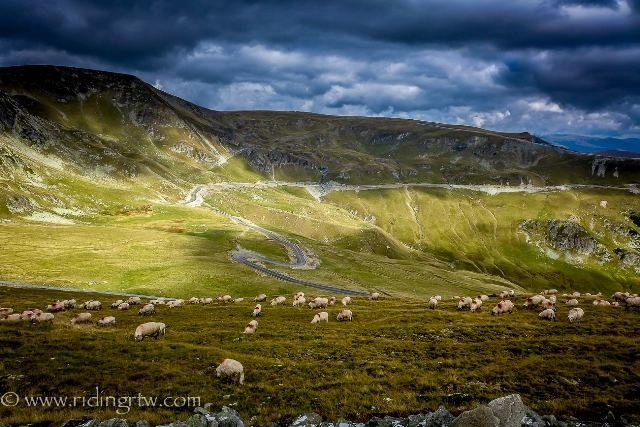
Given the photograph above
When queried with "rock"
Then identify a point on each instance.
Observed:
(115, 422)
(228, 418)
(532, 419)
(439, 418)
(482, 416)
(307, 420)
(509, 409)
(198, 420)
(387, 422)
(142, 423)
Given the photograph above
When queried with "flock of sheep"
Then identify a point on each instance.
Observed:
(233, 370)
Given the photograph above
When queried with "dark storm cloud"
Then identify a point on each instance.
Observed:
(509, 65)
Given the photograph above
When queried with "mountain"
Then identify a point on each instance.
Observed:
(94, 167)
(603, 146)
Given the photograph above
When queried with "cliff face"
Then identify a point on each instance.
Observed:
(117, 123)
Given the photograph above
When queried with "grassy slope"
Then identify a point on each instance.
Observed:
(396, 357)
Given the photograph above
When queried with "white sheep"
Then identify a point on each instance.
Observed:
(175, 303)
(575, 314)
(149, 329)
(278, 300)
(55, 307)
(92, 305)
(299, 301)
(12, 318)
(576, 294)
(107, 320)
(69, 304)
(43, 318)
(476, 305)
(504, 306)
(134, 300)
(194, 300)
(344, 315)
(206, 301)
(123, 306)
(225, 299)
(260, 298)
(572, 302)
(147, 310)
(117, 303)
(433, 302)
(632, 302)
(257, 310)
(332, 300)
(318, 303)
(232, 370)
(547, 314)
(238, 300)
(251, 327)
(483, 297)
(81, 318)
(534, 301)
(5, 311)
(465, 302)
(374, 296)
(319, 317)
(346, 301)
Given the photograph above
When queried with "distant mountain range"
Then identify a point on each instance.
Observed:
(607, 146)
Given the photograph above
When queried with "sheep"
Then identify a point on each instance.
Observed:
(601, 302)
(374, 296)
(92, 305)
(260, 298)
(4, 311)
(257, 310)
(123, 306)
(509, 293)
(572, 302)
(117, 303)
(632, 302)
(483, 298)
(603, 204)
(232, 370)
(318, 303)
(149, 329)
(69, 304)
(147, 310)
(55, 307)
(504, 306)
(323, 315)
(175, 303)
(237, 300)
(465, 302)
(278, 300)
(299, 295)
(345, 301)
(157, 302)
(620, 296)
(206, 301)
(194, 300)
(534, 301)
(332, 300)
(576, 294)
(225, 299)
(12, 318)
(476, 305)
(552, 298)
(43, 318)
(549, 292)
(134, 300)
(547, 314)
(299, 301)
(81, 318)
(575, 314)
(251, 327)
(546, 303)
(439, 298)
(433, 302)
(344, 315)
(27, 314)
(106, 321)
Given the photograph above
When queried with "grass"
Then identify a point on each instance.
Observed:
(396, 357)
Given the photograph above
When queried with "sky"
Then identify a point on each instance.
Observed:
(545, 66)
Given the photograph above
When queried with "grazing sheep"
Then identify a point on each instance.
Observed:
(206, 301)
(157, 302)
(534, 302)
(117, 303)
(69, 304)
(576, 294)
(601, 302)
(225, 299)
(603, 204)
(257, 310)
(632, 302)
(251, 327)
(439, 298)
(123, 306)
(149, 329)
(575, 314)
(43, 318)
(547, 303)
(332, 300)
(260, 298)
(5, 311)
(483, 298)
(134, 300)
(92, 305)
(81, 318)
(465, 302)
(345, 301)
(504, 306)
(552, 298)
(476, 305)
(107, 320)
(175, 303)
(299, 301)
(238, 300)
(28, 314)
(232, 370)
(318, 303)
(323, 315)
(147, 310)
(12, 318)
(620, 296)
(344, 315)
(278, 301)
(572, 302)
(194, 300)
(547, 314)
(55, 307)
(433, 302)
(374, 296)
